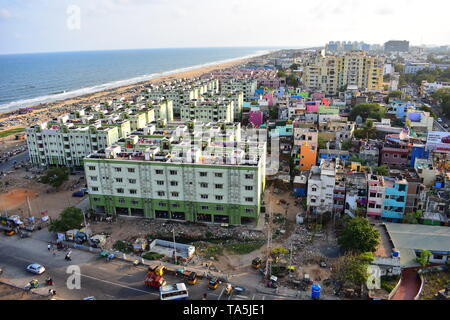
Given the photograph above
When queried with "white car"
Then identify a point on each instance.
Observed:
(36, 268)
(439, 120)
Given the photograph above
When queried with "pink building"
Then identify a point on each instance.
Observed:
(256, 117)
(312, 106)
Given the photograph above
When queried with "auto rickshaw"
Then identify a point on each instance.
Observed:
(256, 263)
(159, 270)
(213, 283)
(33, 284)
(192, 278)
(10, 232)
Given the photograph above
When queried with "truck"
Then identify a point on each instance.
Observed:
(153, 280)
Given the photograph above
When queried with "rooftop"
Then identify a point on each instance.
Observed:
(416, 236)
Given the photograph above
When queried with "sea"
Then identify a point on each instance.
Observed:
(31, 79)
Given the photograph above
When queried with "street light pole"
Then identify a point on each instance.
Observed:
(174, 246)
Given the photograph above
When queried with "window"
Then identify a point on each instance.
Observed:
(219, 186)
(248, 188)
(204, 207)
(131, 170)
(373, 195)
(159, 171)
(173, 172)
(204, 196)
(133, 191)
(161, 193)
(218, 175)
(249, 199)
(121, 200)
(174, 183)
(162, 204)
(249, 176)
(120, 190)
(204, 185)
(94, 189)
(175, 205)
(118, 169)
(203, 174)
(175, 194)
(134, 202)
(119, 179)
(94, 178)
(160, 183)
(91, 168)
(249, 210)
(219, 197)
(219, 208)
(132, 181)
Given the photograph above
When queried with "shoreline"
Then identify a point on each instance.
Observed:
(44, 111)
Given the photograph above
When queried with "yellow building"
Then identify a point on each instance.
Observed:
(329, 74)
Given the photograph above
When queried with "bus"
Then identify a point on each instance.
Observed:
(176, 291)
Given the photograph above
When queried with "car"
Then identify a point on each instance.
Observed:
(79, 194)
(445, 126)
(439, 120)
(35, 268)
(446, 139)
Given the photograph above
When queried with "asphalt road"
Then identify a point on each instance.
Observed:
(104, 280)
(10, 163)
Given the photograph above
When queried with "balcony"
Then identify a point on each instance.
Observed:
(392, 214)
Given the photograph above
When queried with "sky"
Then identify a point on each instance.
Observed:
(74, 25)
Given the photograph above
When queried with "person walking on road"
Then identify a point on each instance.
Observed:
(49, 247)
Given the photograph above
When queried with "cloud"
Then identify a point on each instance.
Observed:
(5, 14)
(384, 11)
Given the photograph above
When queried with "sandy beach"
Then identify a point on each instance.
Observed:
(46, 111)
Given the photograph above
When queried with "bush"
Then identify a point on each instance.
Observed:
(70, 218)
(56, 177)
(122, 246)
(153, 256)
(244, 248)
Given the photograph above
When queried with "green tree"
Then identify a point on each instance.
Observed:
(424, 257)
(367, 110)
(368, 131)
(412, 217)
(428, 109)
(395, 94)
(281, 74)
(381, 170)
(359, 236)
(353, 268)
(322, 143)
(443, 97)
(70, 218)
(56, 176)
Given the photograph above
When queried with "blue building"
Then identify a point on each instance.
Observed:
(399, 108)
(326, 154)
(394, 203)
(418, 152)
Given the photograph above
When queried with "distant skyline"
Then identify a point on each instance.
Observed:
(55, 25)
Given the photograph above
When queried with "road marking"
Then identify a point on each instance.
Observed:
(221, 294)
(253, 298)
(118, 284)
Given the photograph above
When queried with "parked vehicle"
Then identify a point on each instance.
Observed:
(79, 194)
(256, 263)
(153, 280)
(35, 268)
(192, 278)
(176, 291)
(213, 283)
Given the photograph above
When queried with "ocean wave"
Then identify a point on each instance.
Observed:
(115, 84)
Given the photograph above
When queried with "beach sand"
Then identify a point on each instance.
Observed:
(46, 111)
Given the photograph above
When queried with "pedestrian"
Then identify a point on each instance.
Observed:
(54, 252)
(204, 296)
(49, 247)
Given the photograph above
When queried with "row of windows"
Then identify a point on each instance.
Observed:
(173, 172)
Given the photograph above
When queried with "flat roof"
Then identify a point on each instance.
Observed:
(416, 236)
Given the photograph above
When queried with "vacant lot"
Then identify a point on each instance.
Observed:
(11, 293)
